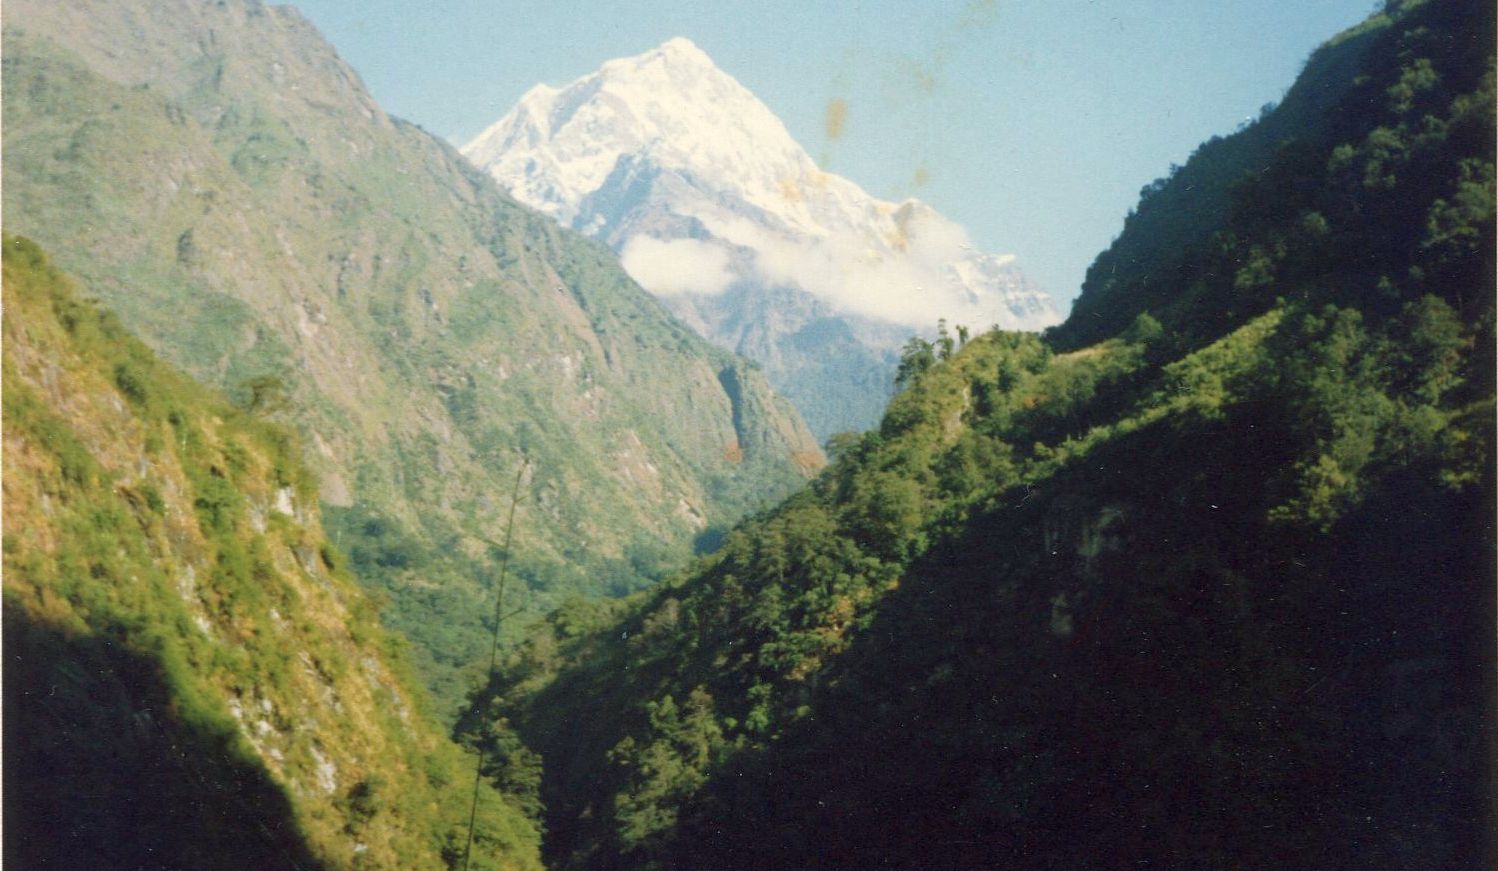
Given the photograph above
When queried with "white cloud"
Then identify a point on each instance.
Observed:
(670, 267)
(908, 269)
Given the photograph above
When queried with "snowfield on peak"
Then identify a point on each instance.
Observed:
(716, 209)
(749, 202)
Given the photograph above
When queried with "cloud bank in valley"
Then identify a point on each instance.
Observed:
(909, 272)
(671, 267)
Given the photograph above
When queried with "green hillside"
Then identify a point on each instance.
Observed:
(192, 679)
(221, 179)
(1173, 259)
(1201, 580)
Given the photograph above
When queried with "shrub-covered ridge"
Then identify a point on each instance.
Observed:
(1209, 588)
(192, 678)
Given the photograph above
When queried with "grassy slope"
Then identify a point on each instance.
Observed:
(222, 180)
(1215, 591)
(192, 678)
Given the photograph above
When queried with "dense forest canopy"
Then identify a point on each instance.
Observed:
(1202, 578)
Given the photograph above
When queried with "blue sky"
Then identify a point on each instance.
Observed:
(1032, 122)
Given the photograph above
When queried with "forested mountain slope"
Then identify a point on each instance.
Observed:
(1170, 253)
(192, 679)
(1209, 588)
(221, 179)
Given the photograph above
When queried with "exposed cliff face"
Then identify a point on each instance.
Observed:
(192, 678)
(222, 180)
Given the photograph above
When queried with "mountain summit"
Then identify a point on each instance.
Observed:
(714, 207)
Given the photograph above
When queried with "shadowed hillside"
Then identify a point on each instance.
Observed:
(192, 678)
(1202, 579)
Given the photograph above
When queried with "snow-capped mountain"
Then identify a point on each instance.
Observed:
(713, 207)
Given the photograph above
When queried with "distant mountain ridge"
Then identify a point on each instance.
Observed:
(222, 180)
(719, 212)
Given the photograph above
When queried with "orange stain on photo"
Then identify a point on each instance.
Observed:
(837, 117)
